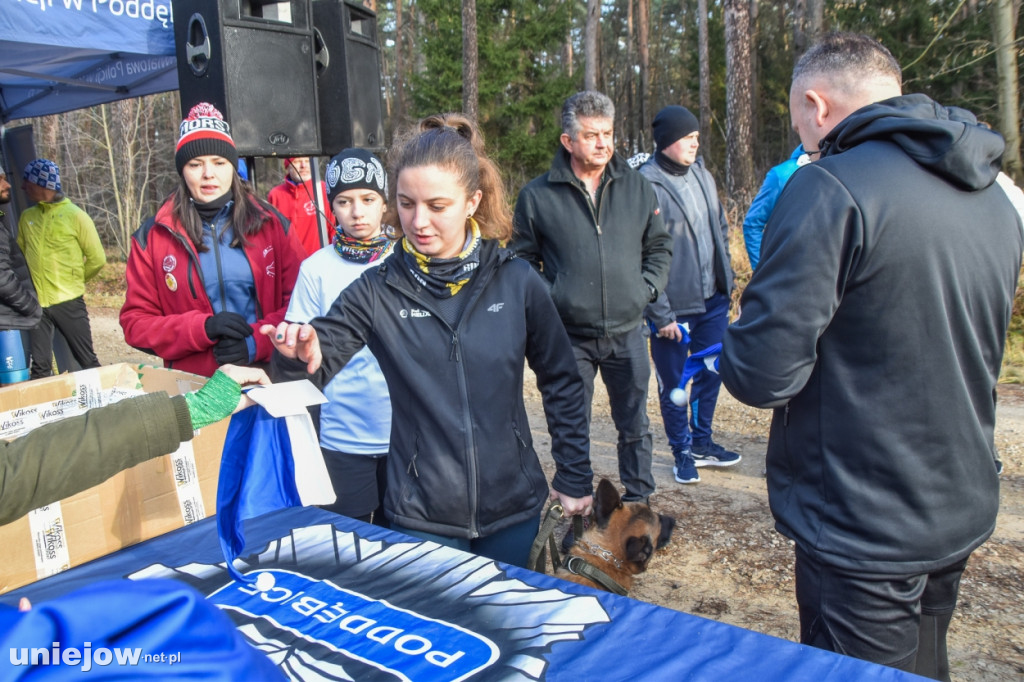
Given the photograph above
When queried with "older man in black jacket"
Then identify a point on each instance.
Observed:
(19, 306)
(875, 325)
(592, 226)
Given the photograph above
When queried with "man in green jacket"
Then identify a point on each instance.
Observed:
(63, 252)
(592, 227)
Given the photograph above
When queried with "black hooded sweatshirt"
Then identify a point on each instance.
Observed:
(875, 326)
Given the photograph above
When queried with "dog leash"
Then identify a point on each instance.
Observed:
(545, 540)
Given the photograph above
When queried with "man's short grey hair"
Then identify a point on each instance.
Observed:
(586, 104)
(853, 54)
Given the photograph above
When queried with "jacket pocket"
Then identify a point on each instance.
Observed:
(529, 466)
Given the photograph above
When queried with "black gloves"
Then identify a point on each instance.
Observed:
(231, 351)
(229, 330)
(227, 325)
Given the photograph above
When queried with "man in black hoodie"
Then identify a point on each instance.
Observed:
(875, 325)
(19, 306)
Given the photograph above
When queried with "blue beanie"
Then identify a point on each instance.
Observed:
(44, 173)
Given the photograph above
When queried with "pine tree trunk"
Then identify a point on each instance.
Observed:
(399, 114)
(739, 165)
(591, 44)
(1004, 19)
(470, 98)
(644, 24)
(706, 138)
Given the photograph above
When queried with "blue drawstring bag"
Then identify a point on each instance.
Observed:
(268, 463)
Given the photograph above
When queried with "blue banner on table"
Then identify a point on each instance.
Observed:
(345, 600)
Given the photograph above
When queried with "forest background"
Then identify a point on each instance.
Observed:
(511, 63)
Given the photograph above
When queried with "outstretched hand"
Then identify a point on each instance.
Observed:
(297, 341)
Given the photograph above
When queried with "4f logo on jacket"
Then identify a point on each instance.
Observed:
(495, 307)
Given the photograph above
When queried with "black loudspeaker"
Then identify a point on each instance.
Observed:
(253, 60)
(348, 76)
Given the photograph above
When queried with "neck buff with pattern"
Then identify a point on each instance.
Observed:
(360, 250)
(445, 277)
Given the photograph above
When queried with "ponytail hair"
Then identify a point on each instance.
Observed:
(452, 142)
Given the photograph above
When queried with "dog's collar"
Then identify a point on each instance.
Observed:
(579, 566)
(600, 552)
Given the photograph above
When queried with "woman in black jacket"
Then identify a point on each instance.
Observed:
(450, 317)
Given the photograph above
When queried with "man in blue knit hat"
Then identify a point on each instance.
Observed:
(63, 252)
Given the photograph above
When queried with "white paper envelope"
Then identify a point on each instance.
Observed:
(287, 398)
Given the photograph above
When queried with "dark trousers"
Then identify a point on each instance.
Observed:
(706, 329)
(72, 319)
(899, 621)
(360, 482)
(626, 372)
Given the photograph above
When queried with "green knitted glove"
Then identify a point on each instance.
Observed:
(216, 400)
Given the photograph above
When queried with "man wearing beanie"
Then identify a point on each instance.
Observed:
(294, 199)
(692, 312)
(63, 252)
(19, 306)
(591, 226)
(355, 423)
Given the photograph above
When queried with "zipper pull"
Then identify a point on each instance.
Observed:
(454, 354)
(785, 415)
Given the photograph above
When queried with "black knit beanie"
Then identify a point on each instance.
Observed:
(355, 169)
(204, 132)
(673, 123)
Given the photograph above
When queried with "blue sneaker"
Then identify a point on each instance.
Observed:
(712, 454)
(684, 470)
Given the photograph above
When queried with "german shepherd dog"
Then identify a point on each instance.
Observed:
(620, 541)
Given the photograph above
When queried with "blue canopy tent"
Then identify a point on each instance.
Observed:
(60, 55)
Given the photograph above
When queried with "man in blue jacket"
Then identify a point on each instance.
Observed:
(592, 227)
(875, 325)
(761, 207)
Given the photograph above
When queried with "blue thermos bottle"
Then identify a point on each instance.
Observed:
(13, 365)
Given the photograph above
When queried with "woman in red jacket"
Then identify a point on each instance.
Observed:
(213, 265)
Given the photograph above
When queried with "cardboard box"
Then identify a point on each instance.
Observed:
(152, 498)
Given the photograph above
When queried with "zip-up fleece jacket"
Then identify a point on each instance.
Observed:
(19, 306)
(875, 325)
(461, 460)
(166, 305)
(601, 266)
(62, 249)
(684, 294)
